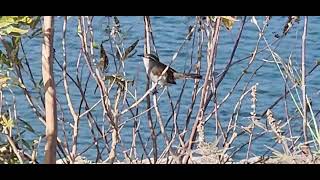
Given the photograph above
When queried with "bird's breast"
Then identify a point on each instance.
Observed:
(146, 64)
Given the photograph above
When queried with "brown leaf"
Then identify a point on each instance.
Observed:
(228, 21)
(104, 61)
(129, 50)
(291, 20)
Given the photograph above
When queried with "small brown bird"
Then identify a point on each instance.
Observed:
(154, 69)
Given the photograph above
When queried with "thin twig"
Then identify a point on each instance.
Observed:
(303, 79)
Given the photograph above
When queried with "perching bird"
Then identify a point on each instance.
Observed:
(154, 69)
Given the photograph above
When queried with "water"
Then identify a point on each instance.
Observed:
(169, 34)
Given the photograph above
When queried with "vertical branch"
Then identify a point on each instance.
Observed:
(196, 85)
(49, 90)
(199, 123)
(253, 116)
(303, 78)
(135, 130)
(89, 58)
(230, 63)
(147, 49)
(155, 101)
(286, 109)
(66, 89)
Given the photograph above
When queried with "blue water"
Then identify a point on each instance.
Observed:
(169, 34)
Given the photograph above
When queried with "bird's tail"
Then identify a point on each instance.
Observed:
(187, 76)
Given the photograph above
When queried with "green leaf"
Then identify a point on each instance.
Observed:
(4, 81)
(25, 20)
(95, 45)
(212, 18)
(27, 126)
(10, 25)
(228, 21)
(4, 59)
(14, 31)
(6, 21)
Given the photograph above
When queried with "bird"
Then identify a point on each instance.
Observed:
(154, 69)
